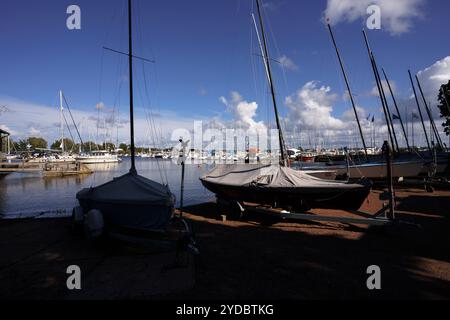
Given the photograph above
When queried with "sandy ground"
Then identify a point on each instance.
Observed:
(257, 257)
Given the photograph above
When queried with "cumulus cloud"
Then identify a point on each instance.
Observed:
(243, 111)
(8, 129)
(433, 77)
(349, 115)
(34, 132)
(287, 63)
(374, 92)
(397, 16)
(312, 107)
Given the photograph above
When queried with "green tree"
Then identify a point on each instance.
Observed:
(109, 146)
(89, 146)
(124, 147)
(444, 106)
(69, 145)
(20, 145)
(36, 142)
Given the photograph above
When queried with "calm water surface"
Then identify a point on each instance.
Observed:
(30, 194)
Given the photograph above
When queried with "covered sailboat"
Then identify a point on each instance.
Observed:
(130, 201)
(278, 185)
(281, 186)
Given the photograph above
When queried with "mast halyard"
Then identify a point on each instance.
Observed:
(420, 112)
(379, 84)
(266, 58)
(398, 111)
(430, 117)
(61, 124)
(130, 64)
(349, 89)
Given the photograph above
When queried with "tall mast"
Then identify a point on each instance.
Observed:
(420, 111)
(380, 90)
(272, 89)
(61, 109)
(396, 108)
(348, 89)
(383, 96)
(430, 116)
(130, 66)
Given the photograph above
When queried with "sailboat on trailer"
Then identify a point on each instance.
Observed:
(130, 201)
(278, 185)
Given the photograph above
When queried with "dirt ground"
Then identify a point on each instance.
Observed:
(258, 257)
(267, 258)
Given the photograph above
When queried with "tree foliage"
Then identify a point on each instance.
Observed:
(444, 106)
(69, 145)
(36, 143)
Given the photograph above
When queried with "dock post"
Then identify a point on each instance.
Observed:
(182, 161)
(388, 152)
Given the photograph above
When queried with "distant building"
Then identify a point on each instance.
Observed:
(3, 140)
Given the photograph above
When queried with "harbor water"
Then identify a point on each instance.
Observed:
(32, 195)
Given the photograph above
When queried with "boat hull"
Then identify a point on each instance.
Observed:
(131, 215)
(94, 161)
(375, 171)
(130, 201)
(300, 198)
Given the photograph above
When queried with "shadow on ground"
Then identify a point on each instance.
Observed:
(255, 258)
(290, 260)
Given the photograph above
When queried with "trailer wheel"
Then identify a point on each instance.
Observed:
(94, 224)
(77, 220)
(233, 210)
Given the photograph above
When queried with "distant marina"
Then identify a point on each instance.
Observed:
(32, 194)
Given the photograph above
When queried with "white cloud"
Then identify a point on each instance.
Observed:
(374, 92)
(26, 118)
(433, 77)
(287, 63)
(7, 129)
(312, 107)
(34, 132)
(244, 112)
(349, 115)
(397, 16)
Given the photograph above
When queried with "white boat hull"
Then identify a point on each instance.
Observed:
(93, 160)
(377, 171)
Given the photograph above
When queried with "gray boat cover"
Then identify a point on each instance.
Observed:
(269, 176)
(131, 189)
(131, 201)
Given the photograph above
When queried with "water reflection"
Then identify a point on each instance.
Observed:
(22, 193)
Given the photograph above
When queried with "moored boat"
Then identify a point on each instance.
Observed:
(98, 157)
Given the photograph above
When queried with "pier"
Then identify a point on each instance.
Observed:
(46, 168)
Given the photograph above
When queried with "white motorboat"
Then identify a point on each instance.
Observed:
(98, 157)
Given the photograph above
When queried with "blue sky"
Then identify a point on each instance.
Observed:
(204, 50)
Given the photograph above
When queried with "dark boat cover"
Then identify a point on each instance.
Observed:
(131, 201)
